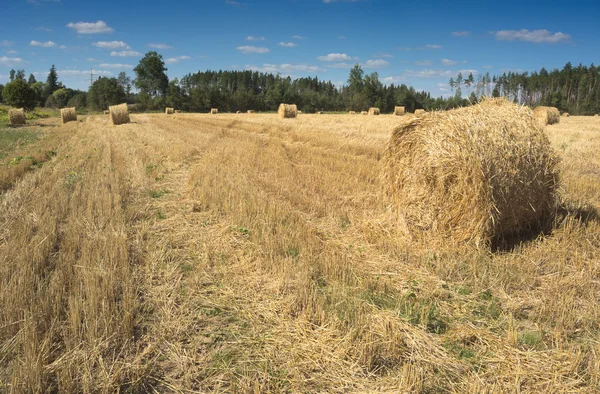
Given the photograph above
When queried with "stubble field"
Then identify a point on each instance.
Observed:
(248, 253)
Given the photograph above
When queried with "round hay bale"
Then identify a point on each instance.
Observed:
(546, 115)
(419, 111)
(68, 115)
(351, 112)
(374, 111)
(565, 115)
(106, 112)
(177, 111)
(398, 111)
(214, 111)
(251, 111)
(299, 112)
(472, 174)
(16, 116)
(169, 111)
(119, 114)
(287, 111)
(319, 112)
(237, 112)
(364, 113)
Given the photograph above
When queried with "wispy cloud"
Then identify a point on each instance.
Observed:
(287, 44)
(377, 63)
(336, 57)
(341, 37)
(424, 63)
(47, 44)
(460, 33)
(90, 27)
(254, 38)
(433, 46)
(448, 62)
(393, 80)
(11, 61)
(536, 36)
(91, 59)
(424, 47)
(125, 53)
(111, 45)
(160, 46)
(42, 28)
(298, 37)
(116, 65)
(63, 47)
(383, 55)
(177, 59)
(340, 1)
(285, 68)
(11, 52)
(429, 73)
(235, 3)
(246, 49)
(341, 65)
(76, 73)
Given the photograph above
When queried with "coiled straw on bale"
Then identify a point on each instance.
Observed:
(472, 174)
(119, 114)
(214, 111)
(398, 111)
(16, 116)
(287, 111)
(169, 111)
(546, 115)
(374, 111)
(68, 115)
(419, 111)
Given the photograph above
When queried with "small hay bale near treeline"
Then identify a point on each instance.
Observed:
(472, 175)
(319, 112)
(214, 111)
(68, 115)
(287, 110)
(16, 116)
(546, 115)
(364, 113)
(374, 111)
(399, 110)
(351, 112)
(419, 111)
(565, 115)
(106, 112)
(177, 111)
(119, 114)
(251, 111)
(169, 111)
(299, 112)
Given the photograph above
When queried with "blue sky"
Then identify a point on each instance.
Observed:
(419, 43)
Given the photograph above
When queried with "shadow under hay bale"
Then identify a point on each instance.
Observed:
(374, 111)
(16, 117)
(546, 115)
(287, 111)
(399, 110)
(119, 114)
(68, 115)
(472, 175)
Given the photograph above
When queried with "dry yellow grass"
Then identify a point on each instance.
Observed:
(419, 111)
(225, 254)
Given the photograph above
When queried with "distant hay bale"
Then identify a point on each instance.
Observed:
(169, 111)
(68, 115)
(398, 111)
(374, 111)
(287, 111)
(351, 112)
(546, 115)
(319, 112)
(364, 113)
(106, 112)
(251, 111)
(299, 112)
(214, 111)
(565, 114)
(177, 111)
(237, 112)
(16, 116)
(419, 111)
(472, 174)
(596, 115)
(119, 114)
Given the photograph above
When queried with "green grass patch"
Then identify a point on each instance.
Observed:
(531, 339)
(14, 139)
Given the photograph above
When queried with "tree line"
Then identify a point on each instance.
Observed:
(576, 90)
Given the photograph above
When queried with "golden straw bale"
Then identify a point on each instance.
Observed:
(237, 112)
(565, 115)
(119, 114)
(299, 112)
(251, 111)
(419, 111)
(472, 174)
(287, 111)
(106, 112)
(374, 111)
(398, 111)
(16, 116)
(351, 112)
(364, 113)
(169, 111)
(214, 111)
(546, 115)
(68, 115)
(177, 111)
(319, 112)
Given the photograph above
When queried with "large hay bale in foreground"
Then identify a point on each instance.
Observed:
(398, 111)
(16, 116)
(169, 111)
(472, 174)
(374, 111)
(419, 111)
(546, 115)
(68, 115)
(214, 111)
(251, 111)
(119, 114)
(287, 111)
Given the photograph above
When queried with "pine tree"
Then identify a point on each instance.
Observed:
(51, 83)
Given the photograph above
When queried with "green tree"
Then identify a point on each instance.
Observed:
(31, 81)
(58, 99)
(151, 77)
(78, 101)
(1, 89)
(459, 82)
(12, 75)
(20, 74)
(18, 94)
(105, 92)
(175, 97)
(51, 83)
(124, 82)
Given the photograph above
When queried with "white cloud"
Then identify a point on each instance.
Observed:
(448, 62)
(460, 33)
(172, 60)
(76, 73)
(285, 68)
(287, 44)
(63, 47)
(90, 27)
(116, 65)
(11, 61)
(111, 45)
(429, 73)
(298, 37)
(42, 28)
(537, 36)
(47, 44)
(341, 65)
(428, 46)
(383, 54)
(246, 49)
(160, 46)
(393, 80)
(91, 59)
(125, 53)
(433, 46)
(424, 63)
(235, 3)
(376, 63)
(253, 38)
(336, 57)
